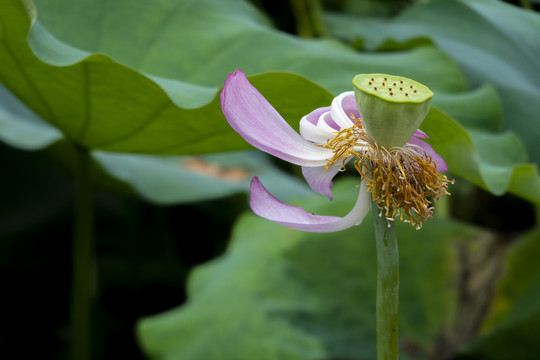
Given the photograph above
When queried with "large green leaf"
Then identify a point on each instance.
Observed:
(201, 41)
(491, 41)
(512, 329)
(159, 179)
(103, 104)
(180, 179)
(493, 161)
(20, 127)
(107, 102)
(284, 294)
(100, 103)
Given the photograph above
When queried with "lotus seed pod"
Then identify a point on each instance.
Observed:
(392, 107)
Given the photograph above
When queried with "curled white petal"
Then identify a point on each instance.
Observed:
(318, 133)
(339, 113)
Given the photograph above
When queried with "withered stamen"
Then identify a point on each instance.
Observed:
(403, 181)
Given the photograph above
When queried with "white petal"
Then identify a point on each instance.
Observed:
(339, 114)
(318, 133)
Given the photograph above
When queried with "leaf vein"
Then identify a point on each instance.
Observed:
(154, 115)
(51, 116)
(86, 101)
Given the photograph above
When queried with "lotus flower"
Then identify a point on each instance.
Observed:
(329, 138)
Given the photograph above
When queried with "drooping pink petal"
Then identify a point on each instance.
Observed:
(267, 206)
(319, 179)
(252, 116)
(439, 161)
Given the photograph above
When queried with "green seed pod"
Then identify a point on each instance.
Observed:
(392, 107)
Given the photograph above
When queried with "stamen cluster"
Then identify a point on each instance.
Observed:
(403, 181)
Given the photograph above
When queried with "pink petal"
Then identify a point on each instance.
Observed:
(252, 116)
(320, 180)
(267, 206)
(314, 116)
(420, 134)
(350, 106)
(327, 118)
(439, 161)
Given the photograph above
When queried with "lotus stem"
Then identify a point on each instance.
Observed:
(387, 287)
(83, 273)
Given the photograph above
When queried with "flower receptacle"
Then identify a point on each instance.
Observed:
(392, 107)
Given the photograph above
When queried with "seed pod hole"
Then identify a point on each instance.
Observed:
(390, 87)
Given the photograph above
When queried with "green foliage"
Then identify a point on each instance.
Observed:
(293, 295)
(180, 179)
(100, 103)
(495, 162)
(159, 179)
(136, 83)
(229, 34)
(103, 104)
(21, 128)
(493, 42)
(511, 329)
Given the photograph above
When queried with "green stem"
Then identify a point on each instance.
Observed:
(387, 287)
(526, 4)
(309, 19)
(83, 279)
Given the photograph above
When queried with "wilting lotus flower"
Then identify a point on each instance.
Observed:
(401, 175)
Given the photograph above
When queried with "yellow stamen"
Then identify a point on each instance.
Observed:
(343, 145)
(403, 181)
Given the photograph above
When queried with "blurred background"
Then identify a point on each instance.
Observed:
(183, 269)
